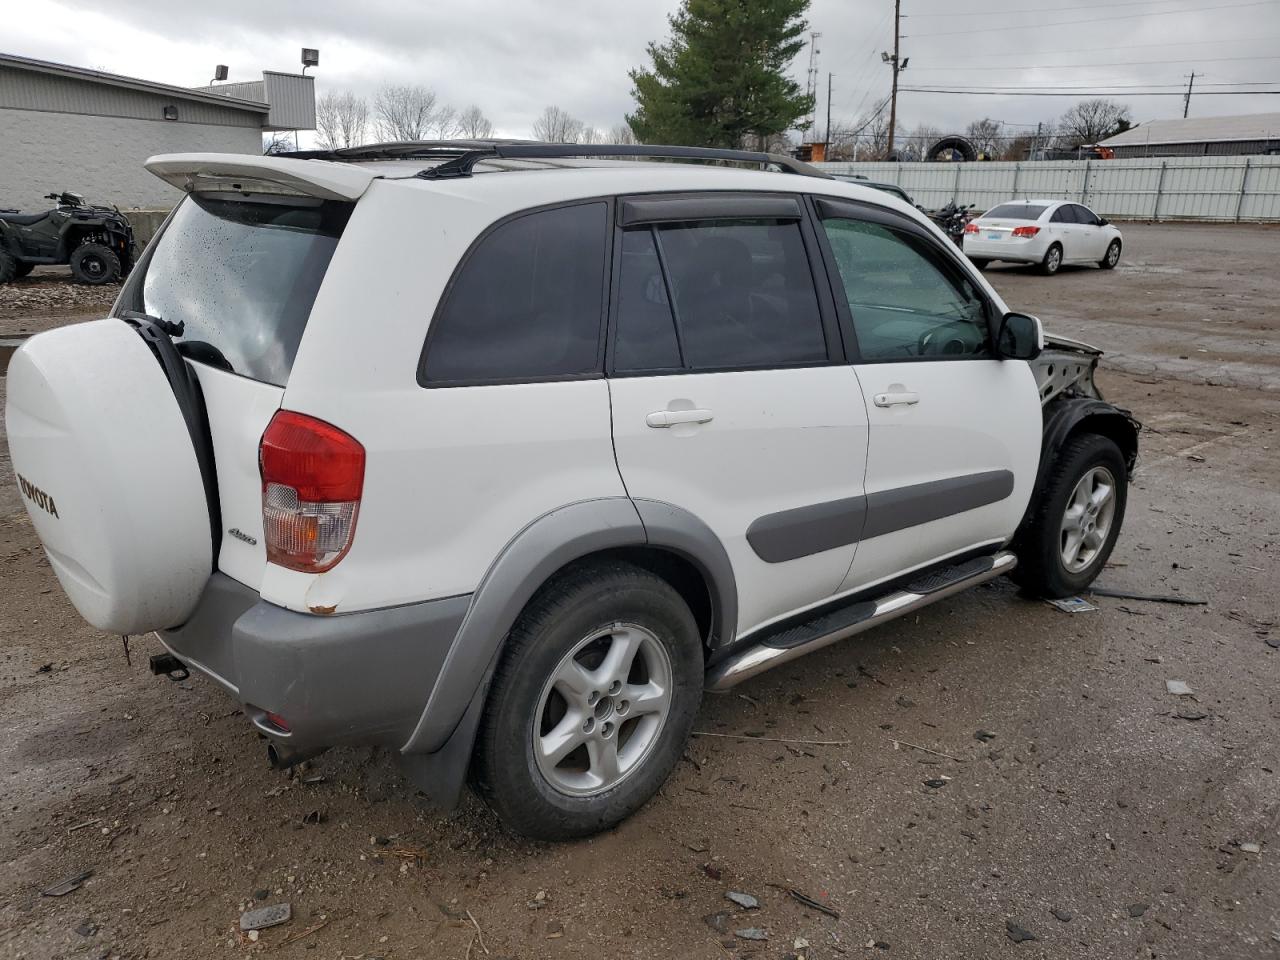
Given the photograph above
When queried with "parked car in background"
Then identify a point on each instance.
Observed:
(1045, 232)
(620, 432)
(889, 188)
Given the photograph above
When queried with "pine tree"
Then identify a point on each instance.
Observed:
(720, 80)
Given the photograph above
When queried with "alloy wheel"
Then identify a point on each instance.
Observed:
(1087, 520)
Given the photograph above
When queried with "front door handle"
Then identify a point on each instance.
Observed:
(669, 418)
(896, 398)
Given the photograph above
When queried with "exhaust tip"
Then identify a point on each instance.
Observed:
(282, 758)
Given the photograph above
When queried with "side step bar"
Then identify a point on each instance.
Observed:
(845, 622)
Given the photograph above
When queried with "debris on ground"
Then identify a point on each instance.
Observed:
(719, 922)
(1190, 713)
(1072, 605)
(1018, 934)
(1250, 848)
(805, 900)
(1061, 914)
(263, 917)
(984, 736)
(63, 887)
(1178, 688)
(937, 782)
(751, 933)
(1150, 598)
(1138, 909)
(745, 900)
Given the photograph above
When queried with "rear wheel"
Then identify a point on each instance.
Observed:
(1112, 258)
(592, 703)
(8, 267)
(980, 264)
(95, 264)
(1065, 543)
(1052, 260)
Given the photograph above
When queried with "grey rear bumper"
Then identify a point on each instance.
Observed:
(352, 678)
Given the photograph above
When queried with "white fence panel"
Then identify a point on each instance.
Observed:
(1174, 188)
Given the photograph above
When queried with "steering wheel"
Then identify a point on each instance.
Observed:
(934, 341)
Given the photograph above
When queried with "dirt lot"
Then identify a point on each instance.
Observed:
(1104, 816)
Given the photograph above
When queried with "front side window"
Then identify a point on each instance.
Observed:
(904, 304)
(1063, 214)
(1084, 215)
(527, 303)
(740, 293)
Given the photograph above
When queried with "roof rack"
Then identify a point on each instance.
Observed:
(459, 157)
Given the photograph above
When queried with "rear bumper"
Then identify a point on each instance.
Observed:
(1030, 250)
(349, 679)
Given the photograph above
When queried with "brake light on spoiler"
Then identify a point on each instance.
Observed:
(312, 481)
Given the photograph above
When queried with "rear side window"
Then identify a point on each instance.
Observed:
(742, 294)
(241, 275)
(1017, 211)
(527, 304)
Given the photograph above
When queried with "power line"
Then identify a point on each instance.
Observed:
(1084, 66)
(1016, 10)
(1065, 23)
(1091, 93)
(998, 88)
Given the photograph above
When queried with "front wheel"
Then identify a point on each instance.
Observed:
(95, 264)
(980, 264)
(592, 703)
(1052, 260)
(1065, 542)
(1112, 258)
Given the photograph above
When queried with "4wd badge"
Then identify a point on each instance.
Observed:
(37, 496)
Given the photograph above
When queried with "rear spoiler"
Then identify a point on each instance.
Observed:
(229, 171)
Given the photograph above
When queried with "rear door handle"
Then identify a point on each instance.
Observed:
(896, 398)
(669, 418)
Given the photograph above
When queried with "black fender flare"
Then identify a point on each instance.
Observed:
(528, 561)
(1064, 417)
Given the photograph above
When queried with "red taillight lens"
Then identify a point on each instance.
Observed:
(970, 228)
(312, 479)
(1025, 231)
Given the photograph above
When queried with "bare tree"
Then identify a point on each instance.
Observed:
(556, 126)
(277, 141)
(1092, 120)
(621, 133)
(342, 120)
(474, 125)
(873, 139)
(404, 112)
(984, 134)
(444, 123)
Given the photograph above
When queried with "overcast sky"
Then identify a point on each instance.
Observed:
(513, 57)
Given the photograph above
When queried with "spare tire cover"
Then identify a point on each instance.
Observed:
(108, 475)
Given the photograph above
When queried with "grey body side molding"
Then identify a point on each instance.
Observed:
(528, 560)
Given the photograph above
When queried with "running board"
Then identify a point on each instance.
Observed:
(844, 622)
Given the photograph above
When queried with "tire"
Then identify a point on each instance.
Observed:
(23, 269)
(566, 635)
(95, 264)
(1113, 256)
(8, 267)
(980, 264)
(1044, 543)
(1052, 261)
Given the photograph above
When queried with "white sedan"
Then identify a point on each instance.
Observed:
(1046, 232)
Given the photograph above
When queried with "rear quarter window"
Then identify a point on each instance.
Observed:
(240, 273)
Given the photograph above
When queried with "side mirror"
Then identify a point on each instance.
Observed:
(1103, 222)
(1019, 338)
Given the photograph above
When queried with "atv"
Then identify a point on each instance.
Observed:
(96, 241)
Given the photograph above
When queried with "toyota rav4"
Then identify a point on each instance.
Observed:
(501, 454)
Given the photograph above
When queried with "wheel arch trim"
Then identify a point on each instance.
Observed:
(530, 559)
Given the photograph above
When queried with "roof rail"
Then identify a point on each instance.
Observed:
(459, 157)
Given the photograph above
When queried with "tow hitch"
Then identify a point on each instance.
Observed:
(168, 665)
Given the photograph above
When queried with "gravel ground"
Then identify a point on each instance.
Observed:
(1078, 802)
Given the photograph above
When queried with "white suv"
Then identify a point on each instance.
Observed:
(499, 454)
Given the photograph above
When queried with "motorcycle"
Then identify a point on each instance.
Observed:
(952, 219)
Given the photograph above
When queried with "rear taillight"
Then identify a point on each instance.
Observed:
(1025, 231)
(312, 478)
(970, 228)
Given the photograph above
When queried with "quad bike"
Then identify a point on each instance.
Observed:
(96, 241)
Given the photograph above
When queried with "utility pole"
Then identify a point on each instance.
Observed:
(811, 85)
(897, 64)
(1186, 101)
(828, 137)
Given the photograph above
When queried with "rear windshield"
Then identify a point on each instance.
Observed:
(1017, 211)
(241, 275)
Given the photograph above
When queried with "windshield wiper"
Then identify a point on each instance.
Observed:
(168, 326)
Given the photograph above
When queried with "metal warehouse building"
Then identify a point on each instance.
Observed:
(1252, 134)
(67, 128)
